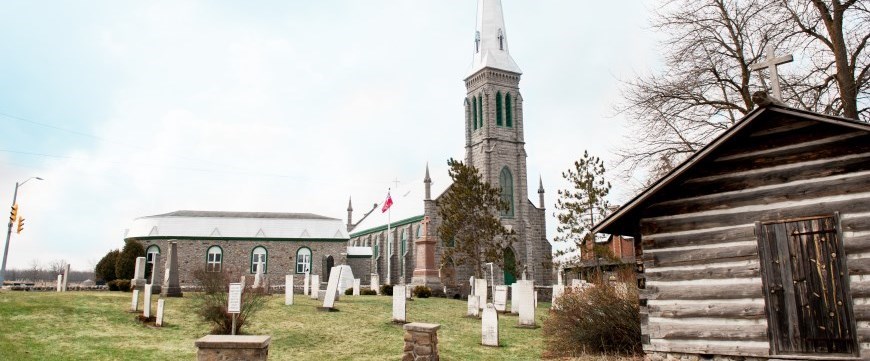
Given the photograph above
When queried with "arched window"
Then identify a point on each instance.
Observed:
(259, 257)
(328, 263)
(150, 258)
(214, 258)
(506, 182)
(303, 260)
(508, 111)
(480, 110)
(498, 121)
(474, 111)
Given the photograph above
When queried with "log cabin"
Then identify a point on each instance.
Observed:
(758, 245)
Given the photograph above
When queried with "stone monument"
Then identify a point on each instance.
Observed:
(421, 342)
(481, 290)
(526, 303)
(499, 298)
(138, 274)
(288, 290)
(399, 303)
(425, 272)
(306, 283)
(146, 302)
(375, 283)
(171, 287)
(473, 306)
(159, 321)
(331, 290)
(356, 285)
(489, 326)
(315, 287)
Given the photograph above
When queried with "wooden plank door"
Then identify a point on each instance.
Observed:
(805, 283)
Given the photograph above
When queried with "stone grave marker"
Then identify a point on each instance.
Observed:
(558, 291)
(481, 289)
(407, 292)
(471, 285)
(489, 326)
(258, 277)
(65, 277)
(499, 298)
(134, 305)
(138, 273)
(305, 283)
(154, 267)
(146, 302)
(399, 303)
(526, 303)
(243, 281)
(159, 321)
(356, 284)
(331, 290)
(375, 283)
(171, 287)
(315, 286)
(536, 299)
(514, 303)
(576, 283)
(473, 306)
(59, 282)
(288, 290)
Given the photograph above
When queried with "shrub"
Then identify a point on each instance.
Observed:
(601, 319)
(105, 269)
(368, 292)
(421, 291)
(348, 291)
(211, 301)
(125, 264)
(387, 290)
(119, 285)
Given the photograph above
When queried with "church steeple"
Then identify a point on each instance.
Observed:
(490, 40)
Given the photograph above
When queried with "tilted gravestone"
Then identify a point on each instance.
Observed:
(171, 286)
(489, 326)
(399, 303)
(288, 290)
(134, 305)
(331, 290)
(499, 298)
(315, 287)
(159, 321)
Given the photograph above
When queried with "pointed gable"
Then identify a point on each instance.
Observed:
(153, 232)
(260, 233)
(215, 233)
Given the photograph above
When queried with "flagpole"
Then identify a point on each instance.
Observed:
(389, 242)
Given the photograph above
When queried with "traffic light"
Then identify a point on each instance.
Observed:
(20, 225)
(14, 214)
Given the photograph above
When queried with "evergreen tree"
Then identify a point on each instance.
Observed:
(470, 227)
(125, 265)
(105, 269)
(579, 208)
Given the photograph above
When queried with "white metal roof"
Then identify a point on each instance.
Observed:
(359, 251)
(208, 224)
(491, 52)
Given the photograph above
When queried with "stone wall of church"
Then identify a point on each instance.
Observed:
(280, 260)
(379, 261)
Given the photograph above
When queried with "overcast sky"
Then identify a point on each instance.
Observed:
(130, 109)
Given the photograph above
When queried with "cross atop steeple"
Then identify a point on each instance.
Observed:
(771, 62)
(490, 39)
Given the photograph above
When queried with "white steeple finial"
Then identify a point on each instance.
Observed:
(490, 40)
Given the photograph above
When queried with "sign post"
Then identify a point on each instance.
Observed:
(235, 302)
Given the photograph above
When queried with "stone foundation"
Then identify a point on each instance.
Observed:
(227, 348)
(421, 342)
(673, 356)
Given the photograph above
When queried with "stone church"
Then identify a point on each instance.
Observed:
(494, 144)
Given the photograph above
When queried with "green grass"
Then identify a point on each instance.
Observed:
(97, 326)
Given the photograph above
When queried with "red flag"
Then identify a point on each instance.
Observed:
(387, 203)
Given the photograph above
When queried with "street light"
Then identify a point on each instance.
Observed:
(9, 231)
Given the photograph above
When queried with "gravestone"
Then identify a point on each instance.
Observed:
(526, 303)
(559, 277)
(315, 286)
(288, 290)
(489, 326)
(171, 287)
(481, 289)
(138, 273)
(399, 303)
(134, 305)
(473, 306)
(536, 299)
(59, 282)
(407, 292)
(558, 291)
(356, 284)
(146, 302)
(576, 283)
(65, 277)
(306, 282)
(243, 281)
(471, 285)
(499, 298)
(375, 283)
(258, 277)
(233, 347)
(421, 342)
(159, 321)
(514, 303)
(331, 290)
(156, 257)
(425, 270)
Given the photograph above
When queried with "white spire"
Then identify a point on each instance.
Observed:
(490, 39)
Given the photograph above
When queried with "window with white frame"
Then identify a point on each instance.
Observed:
(303, 260)
(258, 259)
(214, 259)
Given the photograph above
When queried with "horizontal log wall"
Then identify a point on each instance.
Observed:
(703, 282)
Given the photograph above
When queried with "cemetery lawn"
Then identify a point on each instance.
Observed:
(97, 326)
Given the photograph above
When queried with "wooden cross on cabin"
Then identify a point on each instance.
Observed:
(771, 62)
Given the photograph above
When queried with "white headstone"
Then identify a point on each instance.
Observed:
(288, 290)
(576, 283)
(332, 287)
(306, 283)
(243, 281)
(473, 306)
(345, 279)
(139, 269)
(356, 284)
(489, 326)
(159, 321)
(536, 299)
(315, 286)
(407, 292)
(65, 277)
(399, 303)
(134, 305)
(146, 302)
(558, 291)
(375, 283)
(480, 289)
(526, 303)
(499, 298)
(471, 285)
(59, 282)
(258, 277)
(155, 256)
(514, 302)
(559, 276)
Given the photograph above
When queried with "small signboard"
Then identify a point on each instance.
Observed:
(235, 298)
